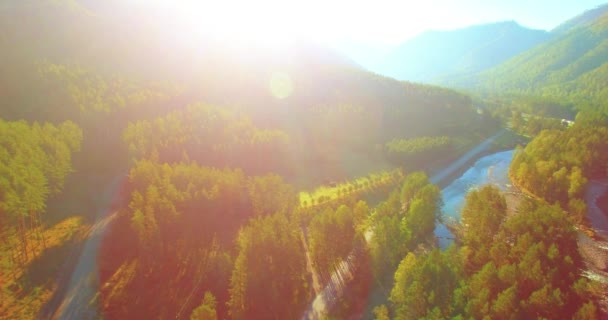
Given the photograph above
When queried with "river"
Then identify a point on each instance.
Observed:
(345, 273)
(491, 169)
(494, 169)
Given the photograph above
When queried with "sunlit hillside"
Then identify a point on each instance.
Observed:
(200, 160)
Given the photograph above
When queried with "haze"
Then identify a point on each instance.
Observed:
(381, 22)
(279, 160)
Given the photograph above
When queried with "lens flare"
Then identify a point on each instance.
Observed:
(281, 85)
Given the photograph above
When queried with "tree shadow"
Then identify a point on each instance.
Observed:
(53, 267)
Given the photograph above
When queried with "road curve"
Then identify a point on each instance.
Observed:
(80, 299)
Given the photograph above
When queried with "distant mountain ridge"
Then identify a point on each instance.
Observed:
(571, 66)
(436, 55)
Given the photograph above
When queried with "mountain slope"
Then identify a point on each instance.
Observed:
(586, 18)
(136, 63)
(573, 65)
(435, 55)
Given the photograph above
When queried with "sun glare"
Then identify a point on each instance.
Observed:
(267, 23)
(244, 22)
(281, 85)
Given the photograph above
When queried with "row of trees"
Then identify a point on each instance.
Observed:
(417, 145)
(373, 183)
(34, 162)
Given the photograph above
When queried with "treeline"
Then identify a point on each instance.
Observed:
(373, 183)
(212, 136)
(34, 162)
(518, 267)
(416, 151)
(556, 165)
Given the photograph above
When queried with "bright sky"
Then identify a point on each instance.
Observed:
(379, 21)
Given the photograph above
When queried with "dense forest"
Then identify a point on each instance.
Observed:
(213, 168)
(415, 151)
(557, 164)
(503, 268)
(212, 181)
(35, 161)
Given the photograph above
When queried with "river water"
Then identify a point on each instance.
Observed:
(491, 169)
(494, 169)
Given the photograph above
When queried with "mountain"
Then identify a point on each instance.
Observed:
(573, 65)
(235, 124)
(92, 60)
(127, 39)
(435, 55)
(582, 20)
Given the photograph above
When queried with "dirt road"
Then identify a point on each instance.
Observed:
(80, 299)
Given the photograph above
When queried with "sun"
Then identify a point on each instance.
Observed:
(249, 22)
(262, 23)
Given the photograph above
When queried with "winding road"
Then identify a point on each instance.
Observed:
(80, 299)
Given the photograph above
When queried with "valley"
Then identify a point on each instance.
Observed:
(183, 160)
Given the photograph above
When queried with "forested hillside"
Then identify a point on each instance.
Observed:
(557, 164)
(210, 145)
(156, 171)
(314, 96)
(582, 20)
(570, 67)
